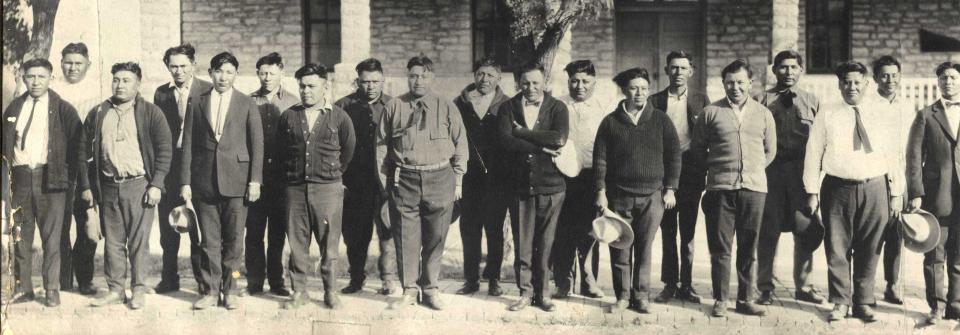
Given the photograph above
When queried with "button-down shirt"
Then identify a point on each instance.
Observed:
(585, 118)
(314, 112)
(677, 112)
(34, 152)
(84, 96)
(366, 117)
(119, 144)
(952, 111)
(437, 138)
(531, 111)
(219, 105)
(904, 115)
(737, 110)
(830, 148)
(793, 110)
(736, 153)
(634, 117)
(480, 102)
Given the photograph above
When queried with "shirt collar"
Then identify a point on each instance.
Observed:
(678, 96)
(324, 108)
(45, 98)
(186, 85)
(122, 107)
(946, 103)
(734, 105)
(224, 95)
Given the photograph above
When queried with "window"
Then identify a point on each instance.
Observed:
(828, 37)
(491, 35)
(322, 31)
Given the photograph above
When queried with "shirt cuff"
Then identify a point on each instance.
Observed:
(251, 184)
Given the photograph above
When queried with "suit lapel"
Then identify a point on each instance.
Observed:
(518, 111)
(941, 116)
(545, 107)
(203, 109)
(232, 112)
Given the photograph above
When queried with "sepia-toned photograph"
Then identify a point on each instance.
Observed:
(446, 167)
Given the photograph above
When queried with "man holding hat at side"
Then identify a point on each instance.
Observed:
(932, 184)
(636, 161)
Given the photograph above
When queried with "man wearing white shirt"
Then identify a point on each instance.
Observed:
(856, 203)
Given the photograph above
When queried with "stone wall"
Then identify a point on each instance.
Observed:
(737, 29)
(439, 29)
(595, 39)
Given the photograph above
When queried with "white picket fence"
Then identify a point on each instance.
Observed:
(917, 92)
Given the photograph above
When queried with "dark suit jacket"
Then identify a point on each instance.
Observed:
(529, 169)
(166, 98)
(692, 177)
(225, 167)
(481, 132)
(156, 146)
(64, 128)
(931, 173)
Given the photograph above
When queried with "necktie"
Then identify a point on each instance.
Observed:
(787, 98)
(219, 124)
(23, 138)
(418, 115)
(860, 138)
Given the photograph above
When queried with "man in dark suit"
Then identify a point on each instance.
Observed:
(933, 184)
(683, 107)
(173, 99)
(223, 162)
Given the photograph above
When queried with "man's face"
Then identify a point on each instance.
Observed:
(74, 67)
(486, 79)
(788, 72)
(37, 79)
(852, 87)
(312, 89)
(223, 77)
(679, 70)
(888, 79)
(737, 86)
(125, 86)
(581, 86)
(949, 82)
(270, 76)
(419, 80)
(636, 91)
(370, 84)
(531, 85)
(181, 68)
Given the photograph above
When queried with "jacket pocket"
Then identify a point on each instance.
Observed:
(243, 157)
(333, 136)
(441, 131)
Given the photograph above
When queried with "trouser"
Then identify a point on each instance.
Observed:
(892, 248)
(222, 221)
(363, 213)
(783, 212)
(314, 209)
(126, 232)
(170, 238)
(41, 207)
(533, 219)
(644, 214)
(682, 218)
(266, 215)
(855, 214)
(574, 244)
(732, 213)
(78, 259)
(423, 203)
(944, 261)
(484, 208)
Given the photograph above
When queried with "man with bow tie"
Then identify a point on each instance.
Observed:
(793, 112)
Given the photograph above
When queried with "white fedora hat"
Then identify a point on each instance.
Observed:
(920, 231)
(612, 229)
(183, 218)
(568, 162)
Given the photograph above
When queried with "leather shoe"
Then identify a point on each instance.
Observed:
(892, 296)
(667, 294)
(520, 304)
(389, 287)
(719, 309)
(279, 291)
(139, 300)
(642, 306)
(864, 312)
(619, 306)
(28, 297)
(547, 305)
(408, 298)
(749, 308)
(354, 287)
(255, 289)
(87, 289)
(298, 299)
(839, 312)
(591, 292)
(206, 301)
(494, 289)
(433, 301)
(936, 315)
(53, 298)
(809, 295)
(166, 287)
(109, 298)
(332, 300)
(231, 302)
(561, 294)
(469, 287)
(688, 294)
(766, 298)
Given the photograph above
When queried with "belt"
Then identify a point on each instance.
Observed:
(423, 168)
(30, 167)
(855, 181)
(121, 180)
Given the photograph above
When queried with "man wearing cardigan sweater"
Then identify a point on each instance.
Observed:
(735, 139)
(532, 127)
(636, 160)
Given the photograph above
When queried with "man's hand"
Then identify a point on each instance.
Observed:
(152, 197)
(896, 206)
(253, 192)
(186, 193)
(669, 199)
(601, 199)
(551, 152)
(516, 125)
(813, 203)
(914, 205)
(458, 193)
(87, 197)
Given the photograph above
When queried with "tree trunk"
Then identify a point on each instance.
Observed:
(41, 39)
(546, 51)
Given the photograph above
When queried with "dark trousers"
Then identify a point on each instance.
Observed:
(644, 214)
(222, 221)
(170, 238)
(126, 232)
(483, 209)
(573, 244)
(423, 203)
(363, 213)
(266, 215)
(892, 248)
(77, 259)
(38, 207)
(533, 219)
(681, 219)
(314, 210)
(728, 214)
(855, 215)
(782, 212)
(944, 261)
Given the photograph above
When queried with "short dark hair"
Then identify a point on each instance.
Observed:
(127, 66)
(850, 66)
(679, 54)
(623, 78)
(785, 55)
(272, 58)
(886, 60)
(369, 65)
(36, 62)
(184, 49)
(946, 66)
(420, 61)
(223, 58)
(736, 66)
(530, 67)
(486, 61)
(311, 69)
(75, 48)
(577, 66)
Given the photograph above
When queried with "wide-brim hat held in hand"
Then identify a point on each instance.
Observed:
(568, 162)
(183, 218)
(920, 231)
(92, 229)
(612, 229)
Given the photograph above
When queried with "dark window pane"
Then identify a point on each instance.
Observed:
(333, 11)
(484, 9)
(318, 9)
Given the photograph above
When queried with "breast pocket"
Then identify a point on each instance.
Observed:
(441, 131)
(333, 137)
(243, 157)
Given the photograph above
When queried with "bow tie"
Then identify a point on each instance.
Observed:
(948, 104)
(531, 103)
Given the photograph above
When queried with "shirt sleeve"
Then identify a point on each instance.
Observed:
(461, 153)
(816, 147)
(770, 136)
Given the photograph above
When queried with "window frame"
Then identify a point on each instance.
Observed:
(843, 23)
(308, 24)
